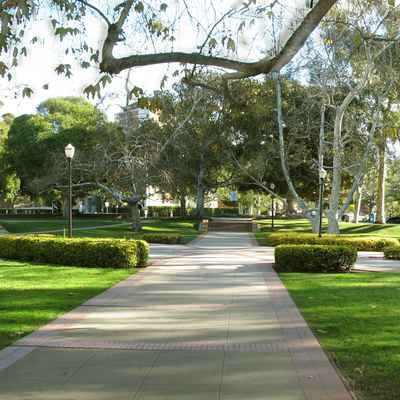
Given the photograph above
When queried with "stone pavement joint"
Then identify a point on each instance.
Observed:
(206, 321)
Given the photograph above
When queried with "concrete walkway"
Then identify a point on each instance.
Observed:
(206, 321)
(374, 261)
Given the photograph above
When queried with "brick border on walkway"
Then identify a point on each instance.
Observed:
(19, 349)
(318, 378)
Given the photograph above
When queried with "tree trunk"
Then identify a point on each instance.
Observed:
(291, 204)
(380, 201)
(135, 215)
(358, 206)
(182, 200)
(315, 224)
(333, 225)
(200, 190)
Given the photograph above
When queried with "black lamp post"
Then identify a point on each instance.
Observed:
(322, 176)
(69, 154)
(272, 187)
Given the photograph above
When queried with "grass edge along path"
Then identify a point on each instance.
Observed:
(32, 295)
(356, 318)
(184, 228)
(301, 225)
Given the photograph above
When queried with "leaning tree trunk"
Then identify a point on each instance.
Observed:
(358, 206)
(307, 213)
(380, 201)
(290, 204)
(332, 214)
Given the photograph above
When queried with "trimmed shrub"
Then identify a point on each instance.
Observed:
(142, 253)
(162, 238)
(392, 252)
(367, 243)
(314, 258)
(84, 252)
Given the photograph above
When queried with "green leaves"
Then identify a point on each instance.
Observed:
(62, 32)
(104, 80)
(95, 90)
(231, 45)
(64, 69)
(136, 91)
(139, 7)
(212, 43)
(92, 91)
(27, 92)
(3, 69)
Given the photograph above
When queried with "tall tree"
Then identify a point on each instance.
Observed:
(351, 64)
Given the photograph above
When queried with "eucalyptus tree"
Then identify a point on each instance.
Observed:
(353, 43)
(252, 116)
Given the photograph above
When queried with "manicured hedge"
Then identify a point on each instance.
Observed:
(314, 258)
(360, 243)
(162, 238)
(85, 252)
(392, 252)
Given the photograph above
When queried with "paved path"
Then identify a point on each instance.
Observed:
(374, 261)
(206, 321)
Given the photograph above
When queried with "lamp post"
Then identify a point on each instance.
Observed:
(272, 187)
(322, 176)
(69, 154)
(107, 204)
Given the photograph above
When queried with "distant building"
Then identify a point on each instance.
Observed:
(133, 116)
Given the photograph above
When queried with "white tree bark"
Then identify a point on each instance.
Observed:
(358, 205)
(308, 213)
(380, 202)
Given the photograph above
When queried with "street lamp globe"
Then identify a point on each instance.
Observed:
(69, 151)
(322, 174)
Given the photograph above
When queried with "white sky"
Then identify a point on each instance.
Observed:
(38, 68)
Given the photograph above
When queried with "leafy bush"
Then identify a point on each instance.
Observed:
(392, 252)
(360, 243)
(85, 252)
(162, 238)
(314, 258)
(162, 211)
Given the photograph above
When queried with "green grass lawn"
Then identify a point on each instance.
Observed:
(23, 225)
(346, 228)
(32, 295)
(356, 317)
(186, 228)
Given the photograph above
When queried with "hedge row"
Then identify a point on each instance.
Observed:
(162, 238)
(392, 252)
(85, 252)
(314, 258)
(360, 243)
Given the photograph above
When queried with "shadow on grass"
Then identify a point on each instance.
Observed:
(356, 317)
(34, 294)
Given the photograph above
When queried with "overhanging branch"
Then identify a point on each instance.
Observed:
(113, 65)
